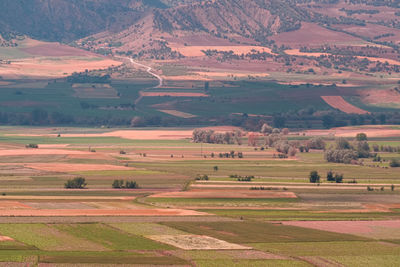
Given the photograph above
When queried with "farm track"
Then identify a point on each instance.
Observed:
(149, 70)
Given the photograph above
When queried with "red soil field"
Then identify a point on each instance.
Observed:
(313, 35)
(198, 193)
(63, 167)
(370, 130)
(339, 103)
(348, 227)
(174, 94)
(100, 212)
(13, 205)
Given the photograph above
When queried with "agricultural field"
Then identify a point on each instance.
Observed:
(193, 207)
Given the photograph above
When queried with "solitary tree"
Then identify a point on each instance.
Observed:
(314, 177)
(361, 137)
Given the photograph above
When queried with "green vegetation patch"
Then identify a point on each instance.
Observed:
(253, 263)
(111, 258)
(259, 232)
(342, 248)
(372, 260)
(293, 215)
(111, 237)
(47, 237)
(147, 229)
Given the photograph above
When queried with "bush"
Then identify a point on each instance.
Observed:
(394, 163)
(202, 177)
(338, 178)
(341, 155)
(118, 184)
(361, 137)
(314, 177)
(330, 177)
(76, 183)
(131, 185)
(316, 143)
(32, 146)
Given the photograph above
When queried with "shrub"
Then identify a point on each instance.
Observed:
(202, 177)
(338, 178)
(131, 185)
(361, 137)
(330, 177)
(118, 184)
(394, 163)
(32, 146)
(314, 177)
(316, 143)
(341, 155)
(76, 183)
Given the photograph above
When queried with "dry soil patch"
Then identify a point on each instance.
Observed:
(196, 242)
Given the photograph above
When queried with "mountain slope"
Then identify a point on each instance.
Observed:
(67, 20)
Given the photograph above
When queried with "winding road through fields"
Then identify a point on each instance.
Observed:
(149, 70)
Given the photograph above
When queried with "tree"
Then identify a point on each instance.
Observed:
(338, 178)
(361, 137)
(394, 163)
(328, 121)
(314, 177)
(279, 122)
(76, 183)
(206, 86)
(316, 143)
(330, 177)
(118, 184)
(363, 149)
(342, 143)
(131, 185)
(266, 129)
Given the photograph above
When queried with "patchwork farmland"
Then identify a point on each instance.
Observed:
(192, 206)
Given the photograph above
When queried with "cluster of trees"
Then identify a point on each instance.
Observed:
(344, 152)
(76, 183)
(85, 77)
(314, 177)
(119, 184)
(227, 155)
(212, 137)
(334, 177)
(240, 178)
(202, 177)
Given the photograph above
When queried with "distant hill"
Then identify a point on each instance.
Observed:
(146, 28)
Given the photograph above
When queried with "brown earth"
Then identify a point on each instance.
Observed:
(55, 50)
(339, 103)
(6, 238)
(373, 229)
(99, 212)
(313, 35)
(196, 51)
(64, 167)
(13, 205)
(370, 130)
(174, 94)
(198, 193)
(380, 96)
